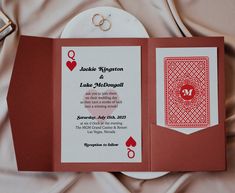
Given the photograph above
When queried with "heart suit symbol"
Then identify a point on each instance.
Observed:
(91, 97)
(71, 65)
(130, 142)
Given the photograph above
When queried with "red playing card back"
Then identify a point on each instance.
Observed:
(187, 91)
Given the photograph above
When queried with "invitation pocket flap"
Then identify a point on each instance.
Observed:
(175, 151)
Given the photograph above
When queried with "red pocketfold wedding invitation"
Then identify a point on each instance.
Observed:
(118, 104)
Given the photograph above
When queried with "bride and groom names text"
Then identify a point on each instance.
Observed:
(103, 70)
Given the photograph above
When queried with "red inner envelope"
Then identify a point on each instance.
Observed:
(34, 102)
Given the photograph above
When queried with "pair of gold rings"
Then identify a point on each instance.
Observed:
(100, 21)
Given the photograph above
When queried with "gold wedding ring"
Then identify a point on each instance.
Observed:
(100, 21)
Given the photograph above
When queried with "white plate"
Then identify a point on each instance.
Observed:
(123, 25)
(145, 175)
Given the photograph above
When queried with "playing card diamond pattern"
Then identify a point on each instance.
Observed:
(188, 107)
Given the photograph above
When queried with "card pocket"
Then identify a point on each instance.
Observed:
(175, 151)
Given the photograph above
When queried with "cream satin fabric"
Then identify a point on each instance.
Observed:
(161, 18)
